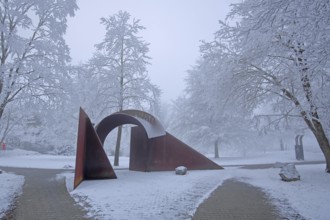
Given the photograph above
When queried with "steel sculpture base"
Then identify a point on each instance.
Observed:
(91, 160)
(164, 153)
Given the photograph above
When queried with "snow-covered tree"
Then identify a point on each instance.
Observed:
(33, 53)
(281, 57)
(83, 91)
(120, 67)
(208, 108)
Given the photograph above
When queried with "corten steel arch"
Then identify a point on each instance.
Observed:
(149, 123)
(91, 159)
(152, 149)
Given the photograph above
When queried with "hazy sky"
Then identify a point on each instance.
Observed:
(174, 29)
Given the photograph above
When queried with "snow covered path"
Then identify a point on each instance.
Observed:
(44, 196)
(164, 195)
(237, 200)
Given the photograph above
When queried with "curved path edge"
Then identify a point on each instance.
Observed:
(44, 196)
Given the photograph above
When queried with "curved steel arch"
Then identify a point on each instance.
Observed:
(152, 149)
(149, 123)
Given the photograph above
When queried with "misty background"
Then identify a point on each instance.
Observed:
(224, 89)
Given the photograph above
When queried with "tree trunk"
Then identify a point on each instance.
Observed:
(216, 149)
(5, 129)
(314, 123)
(121, 103)
(281, 144)
(323, 142)
(116, 162)
(2, 109)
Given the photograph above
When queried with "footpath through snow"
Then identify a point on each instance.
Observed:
(164, 195)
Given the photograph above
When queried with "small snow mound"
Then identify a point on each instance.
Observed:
(181, 170)
(289, 173)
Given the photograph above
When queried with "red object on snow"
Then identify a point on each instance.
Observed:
(3, 146)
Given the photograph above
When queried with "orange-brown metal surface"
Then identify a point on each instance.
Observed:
(80, 153)
(152, 149)
(91, 159)
(164, 153)
(150, 124)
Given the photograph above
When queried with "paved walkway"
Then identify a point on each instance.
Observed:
(44, 197)
(235, 200)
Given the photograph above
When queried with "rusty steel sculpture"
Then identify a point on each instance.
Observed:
(91, 159)
(151, 147)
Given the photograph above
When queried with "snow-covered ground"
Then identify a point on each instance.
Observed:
(10, 187)
(310, 196)
(147, 195)
(164, 195)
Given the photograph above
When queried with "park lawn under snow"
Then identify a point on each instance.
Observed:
(164, 195)
(10, 187)
(147, 195)
(310, 197)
